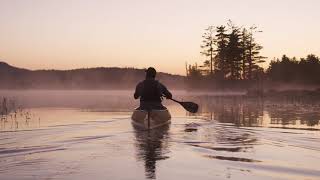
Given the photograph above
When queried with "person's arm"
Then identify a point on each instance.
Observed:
(137, 93)
(165, 91)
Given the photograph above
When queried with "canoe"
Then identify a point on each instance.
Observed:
(152, 119)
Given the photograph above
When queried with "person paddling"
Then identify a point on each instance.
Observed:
(151, 92)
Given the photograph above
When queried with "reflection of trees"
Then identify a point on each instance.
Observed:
(252, 114)
(289, 115)
(152, 146)
(310, 119)
(243, 111)
(282, 116)
(236, 110)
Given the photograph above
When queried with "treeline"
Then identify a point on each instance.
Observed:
(291, 70)
(233, 61)
(86, 78)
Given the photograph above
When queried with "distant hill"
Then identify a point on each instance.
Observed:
(85, 78)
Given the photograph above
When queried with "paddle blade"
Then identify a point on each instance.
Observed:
(190, 106)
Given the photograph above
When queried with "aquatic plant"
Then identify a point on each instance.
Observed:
(4, 109)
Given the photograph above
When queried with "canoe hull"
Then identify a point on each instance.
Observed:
(156, 118)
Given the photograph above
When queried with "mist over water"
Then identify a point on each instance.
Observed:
(85, 134)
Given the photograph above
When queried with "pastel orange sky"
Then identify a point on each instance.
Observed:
(68, 34)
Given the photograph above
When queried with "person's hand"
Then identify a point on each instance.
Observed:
(169, 97)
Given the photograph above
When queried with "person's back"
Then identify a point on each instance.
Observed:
(151, 91)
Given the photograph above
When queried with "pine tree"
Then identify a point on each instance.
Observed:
(221, 51)
(253, 49)
(234, 52)
(207, 47)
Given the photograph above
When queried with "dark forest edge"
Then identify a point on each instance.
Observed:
(233, 62)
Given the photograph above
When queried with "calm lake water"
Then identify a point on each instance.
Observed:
(89, 135)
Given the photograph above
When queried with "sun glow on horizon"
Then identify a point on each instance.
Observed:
(165, 34)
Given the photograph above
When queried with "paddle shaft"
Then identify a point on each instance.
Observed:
(176, 101)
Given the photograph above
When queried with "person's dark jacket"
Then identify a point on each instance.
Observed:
(151, 90)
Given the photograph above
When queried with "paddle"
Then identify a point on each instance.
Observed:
(189, 106)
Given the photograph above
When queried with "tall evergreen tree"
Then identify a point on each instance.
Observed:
(251, 52)
(221, 51)
(231, 52)
(207, 47)
(234, 52)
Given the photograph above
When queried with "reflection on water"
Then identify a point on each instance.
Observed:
(152, 146)
(236, 110)
(239, 110)
(242, 111)
(230, 138)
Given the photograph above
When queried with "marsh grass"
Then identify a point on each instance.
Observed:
(4, 109)
(12, 114)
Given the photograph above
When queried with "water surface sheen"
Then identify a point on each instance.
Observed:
(223, 141)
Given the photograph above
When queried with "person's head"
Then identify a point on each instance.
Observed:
(151, 73)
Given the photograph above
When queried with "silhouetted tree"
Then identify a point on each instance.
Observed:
(221, 50)
(290, 70)
(207, 47)
(310, 68)
(194, 72)
(194, 76)
(251, 53)
(234, 52)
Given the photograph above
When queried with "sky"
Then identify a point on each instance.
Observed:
(165, 34)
